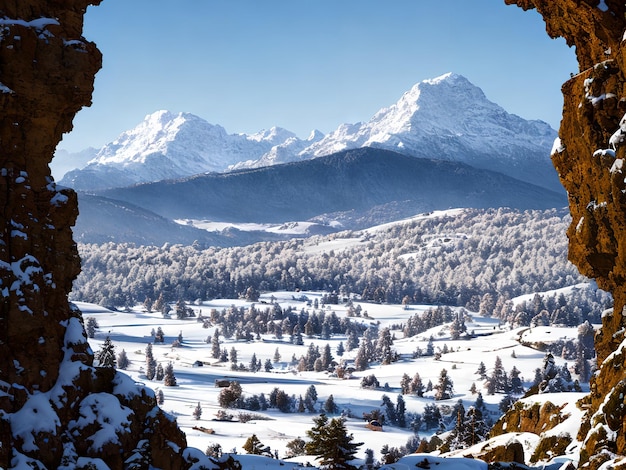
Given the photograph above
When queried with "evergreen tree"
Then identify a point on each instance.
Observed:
(340, 349)
(482, 370)
(169, 380)
(122, 360)
(384, 352)
(91, 326)
(160, 303)
(498, 377)
(353, 340)
(150, 363)
(516, 386)
(310, 399)
(252, 366)
(197, 411)
(506, 403)
(417, 387)
(445, 387)
(233, 358)
(456, 438)
(327, 357)
(401, 412)
(329, 405)
(332, 444)
(405, 384)
(215, 344)
(432, 416)
(276, 356)
(361, 361)
(106, 354)
(159, 337)
(268, 365)
(390, 409)
(160, 398)
(160, 373)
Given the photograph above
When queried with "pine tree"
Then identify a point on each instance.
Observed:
(215, 344)
(516, 386)
(106, 355)
(147, 304)
(91, 326)
(331, 443)
(482, 371)
(268, 365)
(160, 398)
(340, 349)
(384, 351)
(329, 405)
(405, 384)
(276, 356)
(476, 429)
(361, 361)
(159, 373)
(159, 337)
(444, 388)
(390, 409)
(169, 380)
(233, 358)
(310, 399)
(252, 366)
(417, 387)
(401, 412)
(122, 360)
(327, 357)
(150, 363)
(197, 412)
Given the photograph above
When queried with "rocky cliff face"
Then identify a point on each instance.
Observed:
(589, 159)
(56, 409)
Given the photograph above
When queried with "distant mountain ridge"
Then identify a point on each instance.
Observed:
(350, 183)
(446, 118)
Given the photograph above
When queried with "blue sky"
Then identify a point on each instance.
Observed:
(309, 64)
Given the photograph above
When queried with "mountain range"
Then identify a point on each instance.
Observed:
(446, 118)
(442, 145)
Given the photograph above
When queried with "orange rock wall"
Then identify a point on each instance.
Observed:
(48, 385)
(589, 160)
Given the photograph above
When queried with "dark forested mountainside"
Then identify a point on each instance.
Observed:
(355, 180)
(462, 258)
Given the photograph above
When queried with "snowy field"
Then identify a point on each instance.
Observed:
(131, 331)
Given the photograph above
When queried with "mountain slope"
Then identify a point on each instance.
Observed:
(357, 181)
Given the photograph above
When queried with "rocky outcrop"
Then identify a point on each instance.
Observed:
(56, 409)
(589, 158)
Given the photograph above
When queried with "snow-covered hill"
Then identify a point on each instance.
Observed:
(446, 118)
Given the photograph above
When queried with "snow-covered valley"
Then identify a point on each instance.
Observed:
(198, 373)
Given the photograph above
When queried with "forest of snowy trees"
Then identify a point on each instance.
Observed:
(478, 259)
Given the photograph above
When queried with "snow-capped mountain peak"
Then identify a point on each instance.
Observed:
(168, 145)
(446, 118)
(275, 135)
